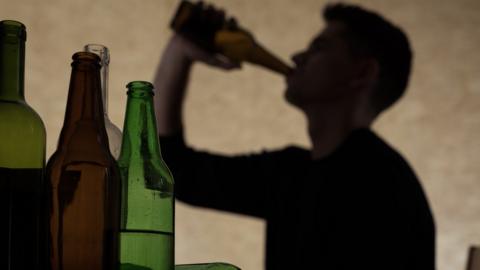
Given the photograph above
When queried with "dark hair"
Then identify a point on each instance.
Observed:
(370, 35)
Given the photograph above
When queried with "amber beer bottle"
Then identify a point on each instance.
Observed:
(211, 30)
(83, 180)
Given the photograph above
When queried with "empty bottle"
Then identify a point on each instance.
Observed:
(113, 132)
(83, 184)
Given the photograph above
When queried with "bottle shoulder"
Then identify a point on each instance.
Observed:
(20, 114)
(111, 128)
(23, 136)
(114, 137)
(84, 141)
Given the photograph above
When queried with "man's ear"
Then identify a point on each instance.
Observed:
(366, 75)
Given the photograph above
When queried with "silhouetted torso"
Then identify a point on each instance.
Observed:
(362, 207)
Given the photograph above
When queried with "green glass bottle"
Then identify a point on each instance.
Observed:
(147, 226)
(22, 157)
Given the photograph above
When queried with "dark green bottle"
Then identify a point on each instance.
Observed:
(147, 227)
(22, 157)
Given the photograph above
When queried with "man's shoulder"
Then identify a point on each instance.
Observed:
(370, 157)
(386, 168)
(373, 149)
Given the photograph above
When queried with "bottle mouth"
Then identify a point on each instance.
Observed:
(14, 29)
(139, 88)
(100, 50)
(86, 57)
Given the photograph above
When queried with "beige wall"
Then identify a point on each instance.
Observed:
(436, 126)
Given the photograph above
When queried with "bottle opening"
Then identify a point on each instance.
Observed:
(9, 28)
(86, 57)
(100, 50)
(140, 88)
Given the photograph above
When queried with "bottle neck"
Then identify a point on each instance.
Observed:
(104, 83)
(140, 132)
(12, 66)
(84, 104)
(104, 54)
(239, 45)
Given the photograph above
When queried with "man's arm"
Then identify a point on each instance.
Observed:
(236, 184)
(243, 184)
(171, 80)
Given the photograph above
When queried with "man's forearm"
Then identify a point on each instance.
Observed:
(170, 81)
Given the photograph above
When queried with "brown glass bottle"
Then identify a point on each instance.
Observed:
(83, 184)
(208, 28)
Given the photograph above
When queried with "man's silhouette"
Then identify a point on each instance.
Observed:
(350, 202)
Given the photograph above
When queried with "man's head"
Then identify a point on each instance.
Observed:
(358, 53)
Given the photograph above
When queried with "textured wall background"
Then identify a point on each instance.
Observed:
(436, 126)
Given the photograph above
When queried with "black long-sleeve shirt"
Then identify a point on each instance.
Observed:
(361, 207)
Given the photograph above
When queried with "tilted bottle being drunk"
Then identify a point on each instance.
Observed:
(83, 183)
(22, 157)
(147, 230)
(211, 30)
(113, 132)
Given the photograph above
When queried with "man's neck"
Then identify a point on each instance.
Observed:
(329, 126)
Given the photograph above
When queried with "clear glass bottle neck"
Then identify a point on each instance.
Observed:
(12, 67)
(104, 55)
